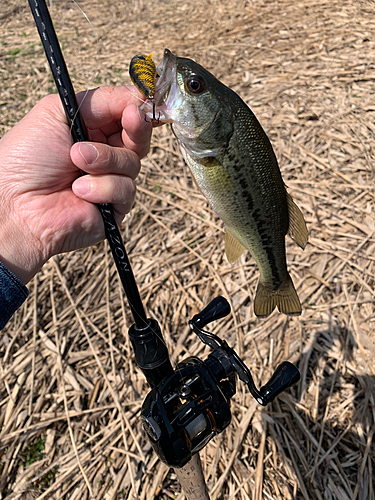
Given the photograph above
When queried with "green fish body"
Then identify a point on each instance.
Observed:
(233, 163)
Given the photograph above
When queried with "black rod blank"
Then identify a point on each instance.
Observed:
(79, 133)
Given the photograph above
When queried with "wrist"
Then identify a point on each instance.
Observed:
(19, 255)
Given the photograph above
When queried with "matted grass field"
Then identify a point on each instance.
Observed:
(70, 394)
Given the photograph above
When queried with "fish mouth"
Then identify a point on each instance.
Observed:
(166, 89)
(165, 74)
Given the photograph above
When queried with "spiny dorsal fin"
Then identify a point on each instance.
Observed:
(297, 225)
(233, 248)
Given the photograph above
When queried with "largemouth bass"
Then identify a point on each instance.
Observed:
(234, 165)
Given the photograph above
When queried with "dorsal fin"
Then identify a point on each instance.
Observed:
(297, 226)
(233, 248)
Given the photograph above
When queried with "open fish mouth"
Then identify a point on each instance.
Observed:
(165, 75)
(166, 89)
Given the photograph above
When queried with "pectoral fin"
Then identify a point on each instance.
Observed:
(195, 182)
(297, 225)
(233, 248)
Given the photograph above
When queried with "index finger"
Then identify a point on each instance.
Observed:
(105, 105)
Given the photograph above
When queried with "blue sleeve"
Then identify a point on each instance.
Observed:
(12, 294)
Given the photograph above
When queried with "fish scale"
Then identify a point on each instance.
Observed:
(234, 165)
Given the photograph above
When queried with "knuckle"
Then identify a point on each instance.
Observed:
(48, 100)
(47, 104)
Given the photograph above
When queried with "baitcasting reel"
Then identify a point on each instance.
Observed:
(185, 410)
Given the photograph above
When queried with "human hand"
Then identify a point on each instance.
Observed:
(46, 206)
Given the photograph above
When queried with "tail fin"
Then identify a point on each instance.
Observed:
(285, 298)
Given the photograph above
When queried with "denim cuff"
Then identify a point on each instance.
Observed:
(13, 293)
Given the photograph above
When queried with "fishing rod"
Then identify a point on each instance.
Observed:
(149, 347)
(188, 406)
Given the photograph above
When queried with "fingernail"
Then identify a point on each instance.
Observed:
(88, 152)
(81, 186)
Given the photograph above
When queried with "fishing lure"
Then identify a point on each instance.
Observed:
(142, 71)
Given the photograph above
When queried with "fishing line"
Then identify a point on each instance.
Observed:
(97, 58)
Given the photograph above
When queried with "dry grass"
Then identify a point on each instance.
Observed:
(70, 393)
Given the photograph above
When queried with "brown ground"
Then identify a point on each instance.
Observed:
(70, 393)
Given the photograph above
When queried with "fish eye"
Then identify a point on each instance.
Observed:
(195, 84)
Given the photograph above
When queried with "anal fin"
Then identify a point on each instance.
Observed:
(233, 248)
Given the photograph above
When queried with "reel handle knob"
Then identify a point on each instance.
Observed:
(285, 375)
(217, 309)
